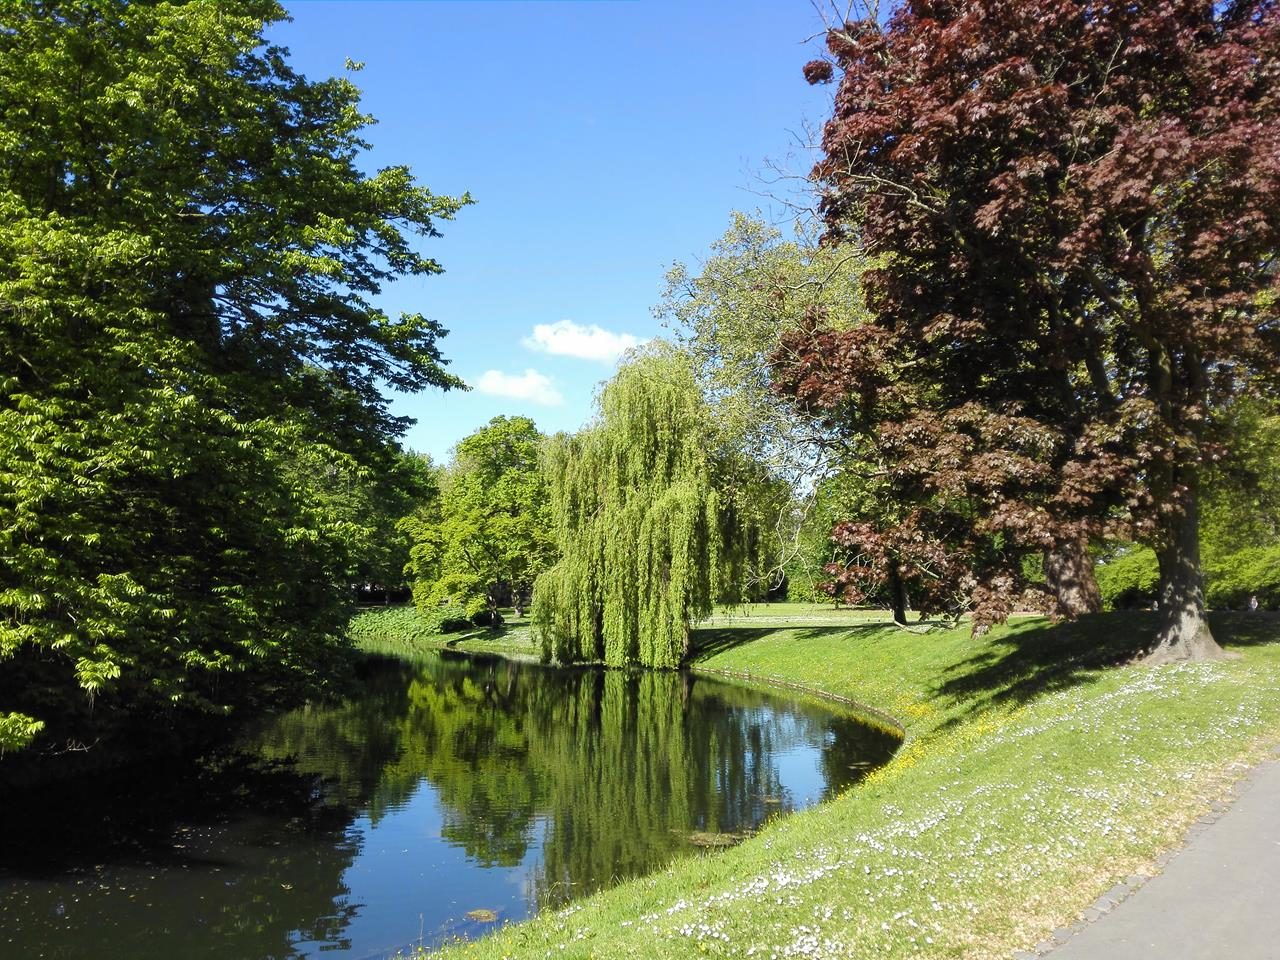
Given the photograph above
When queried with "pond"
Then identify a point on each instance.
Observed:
(450, 794)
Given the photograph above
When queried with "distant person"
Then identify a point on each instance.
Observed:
(1253, 604)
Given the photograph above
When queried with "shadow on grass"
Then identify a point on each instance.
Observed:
(707, 642)
(1032, 659)
(1024, 661)
(487, 633)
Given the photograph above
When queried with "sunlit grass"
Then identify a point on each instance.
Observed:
(401, 632)
(1038, 771)
(799, 613)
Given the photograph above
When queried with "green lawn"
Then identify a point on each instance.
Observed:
(399, 631)
(1038, 771)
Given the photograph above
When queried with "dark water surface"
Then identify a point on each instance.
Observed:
(449, 785)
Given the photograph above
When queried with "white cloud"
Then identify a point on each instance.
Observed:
(565, 338)
(530, 385)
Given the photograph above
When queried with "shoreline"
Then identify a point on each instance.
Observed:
(1038, 771)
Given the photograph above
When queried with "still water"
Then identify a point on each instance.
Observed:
(449, 786)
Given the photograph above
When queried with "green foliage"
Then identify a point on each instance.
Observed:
(1242, 488)
(839, 496)
(731, 316)
(1130, 579)
(369, 500)
(1240, 522)
(188, 256)
(1239, 525)
(488, 537)
(1231, 580)
(802, 585)
(403, 630)
(653, 524)
(17, 730)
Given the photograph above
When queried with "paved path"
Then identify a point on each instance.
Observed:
(1217, 899)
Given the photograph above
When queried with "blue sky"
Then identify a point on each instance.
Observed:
(601, 139)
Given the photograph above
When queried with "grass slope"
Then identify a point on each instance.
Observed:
(1038, 771)
(403, 632)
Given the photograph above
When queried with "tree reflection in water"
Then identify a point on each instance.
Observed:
(614, 770)
(446, 781)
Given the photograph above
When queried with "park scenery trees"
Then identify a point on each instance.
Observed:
(1077, 208)
(731, 315)
(485, 540)
(1038, 330)
(654, 520)
(1020, 359)
(192, 364)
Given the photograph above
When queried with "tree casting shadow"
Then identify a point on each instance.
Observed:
(1027, 660)
(1033, 659)
(707, 642)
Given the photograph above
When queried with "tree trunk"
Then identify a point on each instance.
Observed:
(1068, 571)
(1183, 632)
(898, 597)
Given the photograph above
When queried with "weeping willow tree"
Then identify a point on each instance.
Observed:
(655, 523)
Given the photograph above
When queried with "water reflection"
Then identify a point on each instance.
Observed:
(450, 785)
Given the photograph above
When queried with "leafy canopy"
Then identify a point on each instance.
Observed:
(652, 520)
(189, 252)
(489, 535)
(731, 316)
(1078, 208)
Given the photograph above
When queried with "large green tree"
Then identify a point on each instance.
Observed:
(655, 520)
(189, 252)
(371, 500)
(731, 315)
(486, 539)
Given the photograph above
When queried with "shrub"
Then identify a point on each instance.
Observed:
(448, 618)
(399, 626)
(1255, 571)
(1130, 579)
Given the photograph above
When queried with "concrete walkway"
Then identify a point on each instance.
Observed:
(1218, 897)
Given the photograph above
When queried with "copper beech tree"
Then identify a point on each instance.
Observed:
(1077, 205)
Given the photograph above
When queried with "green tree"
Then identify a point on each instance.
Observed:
(654, 521)
(1242, 485)
(1129, 577)
(188, 256)
(1239, 522)
(489, 536)
(731, 317)
(370, 501)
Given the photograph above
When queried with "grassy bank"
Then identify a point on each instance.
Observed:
(1035, 775)
(401, 632)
